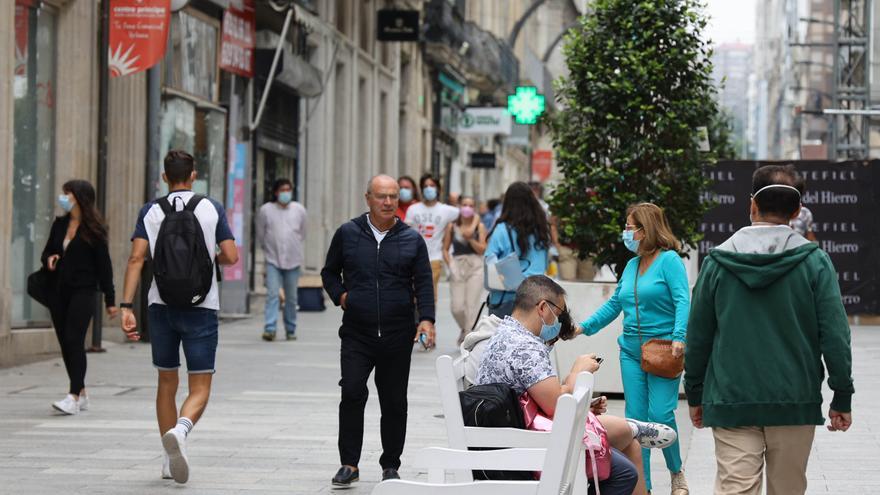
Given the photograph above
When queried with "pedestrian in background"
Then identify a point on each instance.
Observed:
(183, 263)
(467, 238)
(766, 314)
(430, 218)
(493, 209)
(654, 295)
(377, 270)
(803, 224)
(281, 233)
(409, 195)
(78, 257)
(522, 228)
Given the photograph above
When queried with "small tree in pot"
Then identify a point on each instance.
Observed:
(638, 93)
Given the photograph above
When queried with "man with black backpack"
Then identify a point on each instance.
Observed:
(181, 231)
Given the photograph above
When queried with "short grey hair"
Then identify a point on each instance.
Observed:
(373, 178)
(535, 289)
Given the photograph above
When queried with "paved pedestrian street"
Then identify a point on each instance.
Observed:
(271, 424)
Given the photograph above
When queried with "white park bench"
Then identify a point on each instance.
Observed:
(559, 454)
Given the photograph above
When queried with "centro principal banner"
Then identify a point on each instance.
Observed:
(843, 197)
(485, 121)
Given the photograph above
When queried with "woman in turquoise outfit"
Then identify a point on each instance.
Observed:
(664, 301)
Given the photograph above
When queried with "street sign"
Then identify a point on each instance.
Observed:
(526, 105)
(483, 160)
(397, 25)
(485, 121)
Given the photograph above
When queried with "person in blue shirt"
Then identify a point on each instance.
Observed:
(663, 306)
(523, 229)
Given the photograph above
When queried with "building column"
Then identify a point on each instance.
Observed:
(7, 68)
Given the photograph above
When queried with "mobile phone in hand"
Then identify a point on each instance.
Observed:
(599, 359)
(595, 401)
(423, 339)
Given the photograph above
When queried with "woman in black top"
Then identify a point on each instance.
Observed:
(78, 256)
(467, 238)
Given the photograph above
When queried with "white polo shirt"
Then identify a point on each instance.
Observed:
(215, 228)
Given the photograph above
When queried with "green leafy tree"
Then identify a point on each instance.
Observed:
(639, 90)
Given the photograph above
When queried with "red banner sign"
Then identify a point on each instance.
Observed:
(542, 164)
(239, 38)
(22, 28)
(138, 34)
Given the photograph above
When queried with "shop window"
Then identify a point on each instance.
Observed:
(33, 185)
(190, 62)
(201, 132)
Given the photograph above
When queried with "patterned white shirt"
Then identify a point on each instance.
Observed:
(515, 357)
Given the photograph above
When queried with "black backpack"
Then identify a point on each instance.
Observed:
(182, 266)
(494, 405)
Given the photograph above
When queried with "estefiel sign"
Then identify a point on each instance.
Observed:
(485, 121)
(138, 35)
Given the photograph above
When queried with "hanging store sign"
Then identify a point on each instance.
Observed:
(483, 160)
(542, 164)
(239, 38)
(397, 25)
(138, 35)
(485, 121)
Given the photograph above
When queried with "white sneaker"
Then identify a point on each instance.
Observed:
(166, 468)
(653, 435)
(68, 405)
(174, 443)
(83, 402)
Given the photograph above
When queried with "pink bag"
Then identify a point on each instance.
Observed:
(601, 454)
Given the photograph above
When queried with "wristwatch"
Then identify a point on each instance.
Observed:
(126, 305)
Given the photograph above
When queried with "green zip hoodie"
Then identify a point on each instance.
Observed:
(765, 312)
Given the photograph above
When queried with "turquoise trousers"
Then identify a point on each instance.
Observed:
(649, 398)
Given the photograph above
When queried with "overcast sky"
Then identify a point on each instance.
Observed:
(731, 21)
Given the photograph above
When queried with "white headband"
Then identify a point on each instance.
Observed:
(776, 185)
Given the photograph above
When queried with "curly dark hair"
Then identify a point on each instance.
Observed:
(522, 213)
(94, 229)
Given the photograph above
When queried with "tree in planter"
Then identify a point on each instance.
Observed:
(639, 88)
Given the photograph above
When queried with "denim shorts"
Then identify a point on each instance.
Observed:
(196, 328)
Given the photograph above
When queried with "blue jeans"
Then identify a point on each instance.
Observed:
(275, 277)
(195, 328)
(649, 398)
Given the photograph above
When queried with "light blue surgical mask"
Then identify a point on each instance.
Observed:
(628, 240)
(430, 193)
(285, 197)
(406, 194)
(550, 332)
(65, 203)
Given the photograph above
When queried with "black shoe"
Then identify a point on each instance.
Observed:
(345, 477)
(390, 474)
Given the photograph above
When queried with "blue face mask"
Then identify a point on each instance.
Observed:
(406, 194)
(65, 203)
(550, 332)
(629, 242)
(430, 193)
(285, 197)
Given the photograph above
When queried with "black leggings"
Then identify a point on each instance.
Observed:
(72, 310)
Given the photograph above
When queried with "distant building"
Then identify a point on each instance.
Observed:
(732, 68)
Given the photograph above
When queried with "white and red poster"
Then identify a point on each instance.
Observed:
(138, 34)
(239, 38)
(542, 164)
(22, 28)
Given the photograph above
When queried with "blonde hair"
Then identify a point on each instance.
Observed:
(657, 233)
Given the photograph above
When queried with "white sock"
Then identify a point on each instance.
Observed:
(184, 425)
(633, 427)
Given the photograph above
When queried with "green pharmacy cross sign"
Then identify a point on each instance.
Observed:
(526, 105)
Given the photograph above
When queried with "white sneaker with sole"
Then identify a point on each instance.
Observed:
(166, 468)
(83, 402)
(174, 443)
(68, 405)
(653, 435)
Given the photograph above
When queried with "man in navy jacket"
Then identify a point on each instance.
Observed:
(376, 267)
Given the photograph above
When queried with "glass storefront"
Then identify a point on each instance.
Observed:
(33, 187)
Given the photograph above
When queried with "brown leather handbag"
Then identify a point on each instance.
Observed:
(657, 358)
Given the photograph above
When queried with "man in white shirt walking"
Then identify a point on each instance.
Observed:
(281, 233)
(430, 218)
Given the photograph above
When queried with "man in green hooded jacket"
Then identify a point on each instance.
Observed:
(765, 312)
